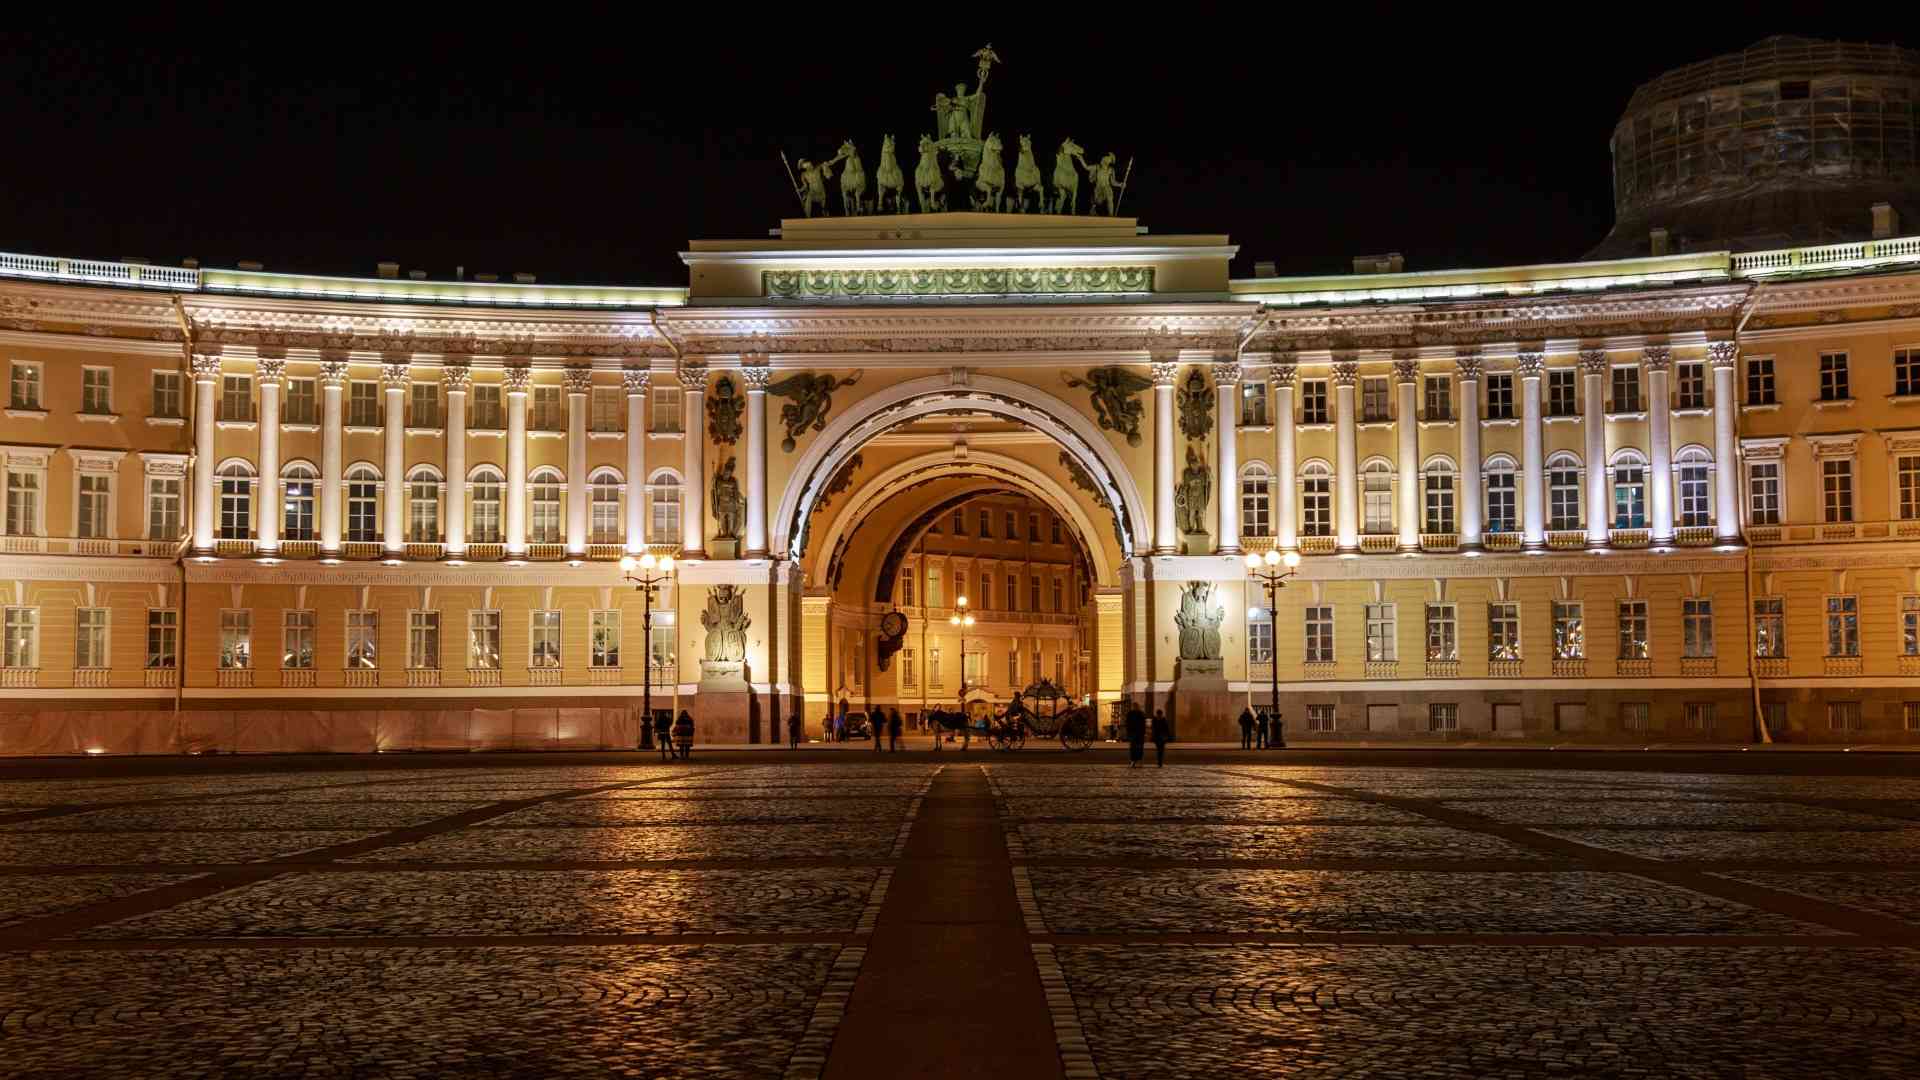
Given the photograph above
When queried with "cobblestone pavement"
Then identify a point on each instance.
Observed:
(714, 919)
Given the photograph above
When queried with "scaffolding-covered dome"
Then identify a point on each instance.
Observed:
(1787, 143)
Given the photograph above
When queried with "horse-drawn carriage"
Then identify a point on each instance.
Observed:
(1043, 710)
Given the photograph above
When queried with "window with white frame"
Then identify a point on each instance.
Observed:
(604, 508)
(1376, 497)
(1910, 626)
(936, 595)
(486, 502)
(487, 412)
(1036, 669)
(423, 640)
(1844, 716)
(1843, 626)
(960, 585)
(425, 411)
(483, 640)
(1569, 630)
(663, 509)
(163, 508)
(302, 405)
(1013, 667)
(603, 639)
(1700, 715)
(163, 638)
(90, 638)
(1313, 401)
(1443, 632)
(666, 410)
(236, 639)
(1260, 638)
(1382, 627)
(1696, 627)
(363, 504)
(1438, 480)
(1763, 492)
(1632, 626)
(363, 640)
(608, 407)
(1690, 384)
(1560, 392)
(1906, 471)
(297, 502)
(906, 586)
(548, 411)
(959, 522)
(23, 501)
(423, 506)
(543, 506)
(1906, 372)
(1059, 668)
(25, 385)
(1630, 491)
(1769, 626)
(22, 648)
(363, 403)
(660, 648)
(1626, 390)
(1320, 717)
(544, 651)
(236, 397)
(1836, 489)
(1834, 384)
(1691, 473)
(96, 390)
(1375, 400)
(93, 515)
(934, 677)
(1636, 715)
(296, 639)
(236, 501)
(909, 669)
(1563, 492)
(1256, 500)
(1439, 395)
(1253, 404)
(167, 396)
(985, 522)
(1059, 590)
(1319, 634)
(1503, 631)
(1760, 384)
(1500, 395)
(1316, 501)
(1503, 496)
(1443, 716)
(1034, 583)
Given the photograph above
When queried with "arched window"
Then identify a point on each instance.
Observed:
(363, 504)
(486, 483)
(543, 498)
(1691, 467)
(1316, 500)
(1256, 500)
(423, 505)
(1376, 496)
(604, 520)
(1503, 491)
(299, 481)
(663, 512)
(1438, 477)
(1563, 491)
(236, 500)
(1629, 490)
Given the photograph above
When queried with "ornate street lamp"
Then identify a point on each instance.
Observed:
(962, 618)
(1265, 570)
(648, 583)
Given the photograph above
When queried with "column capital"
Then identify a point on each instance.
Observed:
(757, 376)
(1165, 372)
(272, 372)
(636, 380)
(1530, 364)
(1469, 365)
(692, 377)
(394, 376)
(579, 380)
(1283, 372)
(1227, 372)
(519, 378)
(456, 378)
(1593, 361)
(333, 373)
(1346, 373)
(1406, 369)
(1723, 354)
(1658, 357)
(206, 368)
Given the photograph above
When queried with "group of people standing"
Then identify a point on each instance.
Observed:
(673, 738)
(1139, 728)
(1259, 732)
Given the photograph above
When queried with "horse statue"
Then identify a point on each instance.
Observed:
(1026, 178)
(929, 185)
(991, 185)
(1066, 178)
(853, 181)
(889, 183)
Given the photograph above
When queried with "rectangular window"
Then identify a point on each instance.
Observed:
(423, 510)
(934, 678)
(986, 524)
(604, 639)
(549, 414)
(1034, 586)
(1769, 626)
(236, 507)
(1843, 626)
(1906, 372)
(1569, 630)
(1696, 626)
(660, 652)
(1910, 715)
(1833, 377)
(1563, 495)
(1503, 500)
(1560, 393)
(236, 397)
(1256, 507)
(1013, 667)
(959, 585)
(1320, 718)
(1633, 629)
(1033, 528)
(1313, 401)
(236, 640)
(1059, 601)
(1844, 716)
(936, 596)
(664, 512)
(666, 409)
(1503, 631)
(363, 403)
(1012, 522)
(1319, 635)
(1316, 504)
(1375, 400)
(1439, 492)
(90, 637)
(1253, 404)
(1910, 626)
(1054, 524)
(487, 414)
(1260, 640)
(1700, 716)
(1036, 666)
(1443, 639)
(96, 390)
(166, 395)
(23, 503)
(909, 670)
(1774, 715)
(1907, 473)
(609, 411)
(906, 587)
(23, 638)
(26, 386)
(96, 505)
(1760, 387)
(1629, 496)
(1443, 716)
(1059, 668)
(1626, 390)
(426, 406)
(296, 640)
(1376, 499)
(302, 404)
(163, 636)
(1695, 507)
(423, 640)
(1836, 488)
(1381, 631)
(483, 640)
(1439, 394)
(1691, 386)
(959, 523)
(363, 640)
(544, 651)
(1500, 396)
(1635, 715)
(1763, 492)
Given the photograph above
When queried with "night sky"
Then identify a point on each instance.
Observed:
(586, 148)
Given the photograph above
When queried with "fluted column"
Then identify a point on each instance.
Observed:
(1593, 372)
(519, 381)
(1659, 361)
(579, 385)
(273, 379)
(1406, 374)
(693, 404)
(456, 380)
(635, 380)
(1472, 508)
(1165, 477)
(756, 377)
(393, 382)
(333, 383)
(1346, 455)
(1533, 454)
(1226, 394)
(1286, 478)
(206, 374)
(1726, 464)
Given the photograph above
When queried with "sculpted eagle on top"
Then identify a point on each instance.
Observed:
(812, 400)
(1113, 391)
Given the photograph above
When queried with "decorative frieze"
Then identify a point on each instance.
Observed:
(957, 281)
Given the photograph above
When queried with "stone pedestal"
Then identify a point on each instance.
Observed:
(723, 704)
(1203, 709)
(1196, 544)
(723, 548)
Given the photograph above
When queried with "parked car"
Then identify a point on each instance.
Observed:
(857, 726)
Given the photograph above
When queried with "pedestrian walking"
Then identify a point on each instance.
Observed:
(893, 730)
(1246, 729)
(1162, 734)
(793, 731)
(683, 735)
(876, 726)
(662, 733)
(840, 723)
(1136, 735)
(1261, 727)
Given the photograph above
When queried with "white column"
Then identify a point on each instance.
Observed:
(693, 509)
(266, 525)
(393, 383)
(456, 380)
(1593, 373)
(206, 373)
(1346, 456)
(1165, 476)
(756, 377)
(519, 381)
(1406, 373)
(1726, 462)
(1533, 454)
(1226, 395)
(635, 380)
(1660, 433)
(579, 385)
(1472, 505)
(333, 383)
(1286, 481)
